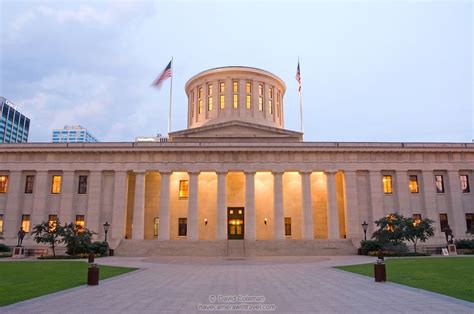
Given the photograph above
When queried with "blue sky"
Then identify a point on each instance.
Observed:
(371, 70)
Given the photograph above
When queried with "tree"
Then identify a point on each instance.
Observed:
(390, 229)
(77, 239)
(49, 233)
(418, 230)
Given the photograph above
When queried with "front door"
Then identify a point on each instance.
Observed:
(235, 223)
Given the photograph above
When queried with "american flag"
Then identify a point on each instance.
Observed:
(298, 77)
(167, 72)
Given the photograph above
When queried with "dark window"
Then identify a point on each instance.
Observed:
(464, 183)
(414, 184)
(470, 222)
(182, 227)
(439, 184)
(30, 180)
(443, 221)
(156, 223)
(82, 185)
(288, 226)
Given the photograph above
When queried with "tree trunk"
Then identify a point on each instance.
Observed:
(54, 253)
(415, 246)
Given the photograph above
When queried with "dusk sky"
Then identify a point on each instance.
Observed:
(371, 70)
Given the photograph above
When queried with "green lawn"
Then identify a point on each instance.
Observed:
(25, 280)
(452, 276)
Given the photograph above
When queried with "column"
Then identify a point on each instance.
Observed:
(307, 223)
(119, 212)
(193, 215)
(41, 191)
(376, 199)
(13, 211)
(67, 197)
(93, 202)
(429, 196)
(138, 230)
(164, 227)
(455, 197)
(278, 213)
(403, 194)
(353, 223)
(250, 215)
(333, 217)
(221, 215)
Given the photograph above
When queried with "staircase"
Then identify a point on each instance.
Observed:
(236, 249)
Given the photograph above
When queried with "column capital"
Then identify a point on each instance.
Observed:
(277, 173)
(193, 173)
(249, 172)
(137, 172)
(165, 173)
(220, 173)
(306, 172)
(330, 172)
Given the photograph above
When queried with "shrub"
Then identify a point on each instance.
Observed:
(370, 246)
(398, 254)
(77, 239)
(464, 244)
(99, 248)
(395, 248)
(60, 257)
(4, 248)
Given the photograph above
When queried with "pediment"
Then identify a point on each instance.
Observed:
(235, 131)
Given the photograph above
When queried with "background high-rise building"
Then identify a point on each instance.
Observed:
(14, 126)
(72, 134)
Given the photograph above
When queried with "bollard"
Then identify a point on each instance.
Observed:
(111, 252)
(379, 272)
(91, 258)
(93, 275)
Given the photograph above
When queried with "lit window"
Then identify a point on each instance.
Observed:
(416, 219)
(248, 101)
(439, 183)
(25, 223)
(221, 87)
(52, 222)
(200, 100)
(3, 184)
(222, 101)
(414, 184)
(387, 184)
(183, 188)
(1, 224)
(248, 87)
(192, 104)
(236, 101)
(209, 97)
(443, 221)
(30, 180)
(182, 227)
(82, 188)
(465, 184)
(248, 97)
(235, 87)
(80, 223)
(470, 222)
(56, 185)
(260, 97)
(270, 106)
(156, 223)
(287, 226)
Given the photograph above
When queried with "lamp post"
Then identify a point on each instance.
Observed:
(364, 226)
(106, 229)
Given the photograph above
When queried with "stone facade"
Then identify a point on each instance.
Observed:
(288, 189)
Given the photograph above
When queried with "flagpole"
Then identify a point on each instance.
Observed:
(301, 100)
(171, 97)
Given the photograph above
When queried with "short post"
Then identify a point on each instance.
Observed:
(93, 275)
(380, 273)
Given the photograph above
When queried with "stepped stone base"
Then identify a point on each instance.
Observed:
(235, 248)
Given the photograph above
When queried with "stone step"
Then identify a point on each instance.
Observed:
(236, 248)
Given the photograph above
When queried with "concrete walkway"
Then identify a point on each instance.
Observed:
(276, 284)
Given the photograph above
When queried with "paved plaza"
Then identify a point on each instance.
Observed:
(276, 284)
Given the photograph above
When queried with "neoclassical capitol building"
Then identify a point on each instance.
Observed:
(234, 174)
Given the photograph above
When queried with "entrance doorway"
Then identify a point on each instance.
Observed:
(235, 223)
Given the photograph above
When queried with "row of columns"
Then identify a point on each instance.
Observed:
(221, 215)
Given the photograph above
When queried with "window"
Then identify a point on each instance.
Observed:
(222, 96)
(287, 226)
(30, 180)
(56, 185)
(3, 184)
(1, 224)
(469, 222)
(182, 227)
(156, 223)
(25, 223)
(200, 99)
(248, 98)
(192, 104)
(248, 87)
(414, 184)
(387, 184)
(464, 183)
(439, 184)
(443, 221)
(260, 97)
(278, 104)
(416, 219)
(235, 89)
(183, 189)
(222, 101)
(236, 101)
(270, 100)
(52, 221)
(82, 189)
(80, 223)
(221, 87)
(209, 97)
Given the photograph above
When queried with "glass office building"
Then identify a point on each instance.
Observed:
(73, 134)
(14, 126)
